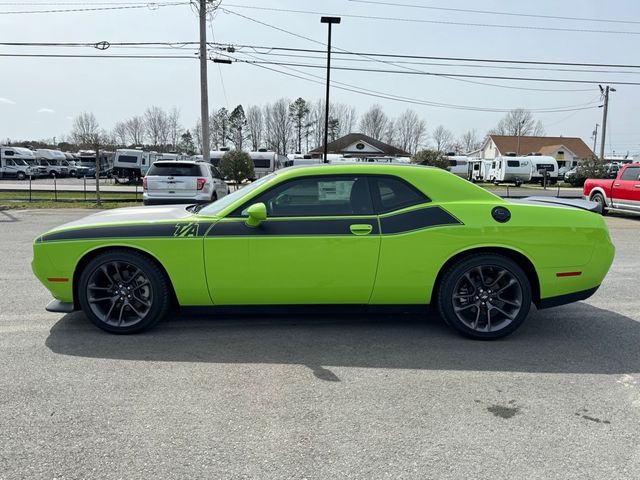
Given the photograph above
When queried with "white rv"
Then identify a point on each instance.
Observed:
(510, 170)
(14, 164)
(54, 161)
(541, 164)
(297, 159)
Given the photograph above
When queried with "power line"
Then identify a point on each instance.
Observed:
(423, 57)
(149, 6)
(61, 55)
(493, 12)
(455, 75)
(377, 94)
(439, 22)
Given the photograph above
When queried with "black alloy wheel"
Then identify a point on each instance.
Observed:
(122, 291)
(485, 296)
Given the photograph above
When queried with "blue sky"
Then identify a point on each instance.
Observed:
(39, 96)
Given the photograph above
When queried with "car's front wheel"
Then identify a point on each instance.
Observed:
(122, 291)
(485, 296)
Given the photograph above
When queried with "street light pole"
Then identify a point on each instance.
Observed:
(595, 138)
(520, 125)
(330, 21)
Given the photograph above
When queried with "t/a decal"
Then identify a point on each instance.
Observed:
(187, 230)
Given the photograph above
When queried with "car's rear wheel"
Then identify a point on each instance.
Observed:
(484, 296)
(599, 198)
(122, 291)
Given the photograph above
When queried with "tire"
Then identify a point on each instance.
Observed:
(599, 198)
(141, 297)
(21, 176)
(472, 296)
(214, 196)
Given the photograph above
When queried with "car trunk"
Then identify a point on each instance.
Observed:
(171, 186)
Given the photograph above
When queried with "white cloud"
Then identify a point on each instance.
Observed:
(7, 101)
(46, 110)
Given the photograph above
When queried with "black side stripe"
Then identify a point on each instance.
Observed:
(417, 220)
(292, 227)
(183, 229)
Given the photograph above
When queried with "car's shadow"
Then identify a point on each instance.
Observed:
(572, 339)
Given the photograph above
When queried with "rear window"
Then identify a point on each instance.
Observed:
(175, 169)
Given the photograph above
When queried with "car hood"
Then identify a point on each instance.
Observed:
(151, 214)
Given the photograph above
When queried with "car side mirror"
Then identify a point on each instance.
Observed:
(257, 213)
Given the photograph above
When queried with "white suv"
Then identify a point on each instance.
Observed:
(178, 181)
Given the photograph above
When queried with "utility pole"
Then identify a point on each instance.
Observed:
(204, 93)
(605, 93)
(98, 199)
(595, 137)
(330, 21)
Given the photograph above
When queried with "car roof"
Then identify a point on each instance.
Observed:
(192, 162)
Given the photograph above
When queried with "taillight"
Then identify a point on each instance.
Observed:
(201, 183)
(144, 183)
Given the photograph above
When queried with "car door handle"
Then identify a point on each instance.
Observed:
(361, 229)
(616, 184)
(636, 186)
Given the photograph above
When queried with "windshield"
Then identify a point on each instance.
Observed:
(21, 162)
(219, 205)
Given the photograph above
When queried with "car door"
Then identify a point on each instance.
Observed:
(626, 189)
(318, 245)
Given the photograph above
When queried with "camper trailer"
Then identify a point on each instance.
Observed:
(510, 169)
(540, 165)
(459, 165)
(479, 170)
(265, 162)
(132, 164)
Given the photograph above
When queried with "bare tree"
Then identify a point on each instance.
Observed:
(374, 122)
(346, 117)
(157, 126)
(119, 133)
(255, 125)
(85, 130)
(411, 131)
(390, 133)
(175, 129)
(87, 133)
(469, 141)
(278, 125)
(443, 138)
(135, 129)
(518, 122)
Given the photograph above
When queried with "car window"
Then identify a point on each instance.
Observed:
(513, 163)
(175, 169)
(335, 195)
(631, 173)
(10, 162)
(9, 152)
(391, 193)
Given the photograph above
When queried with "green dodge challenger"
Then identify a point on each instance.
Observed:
(364, 235)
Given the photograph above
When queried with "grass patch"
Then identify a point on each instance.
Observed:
(78, 196)
(41, 204)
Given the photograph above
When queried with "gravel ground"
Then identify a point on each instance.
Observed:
(316, 397)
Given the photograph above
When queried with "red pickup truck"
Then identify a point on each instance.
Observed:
(622, 193)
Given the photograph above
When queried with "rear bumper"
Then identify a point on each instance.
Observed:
(59, 307)
(567, 298)
(172, 201)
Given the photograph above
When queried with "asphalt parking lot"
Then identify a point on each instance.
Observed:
(298, 397)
